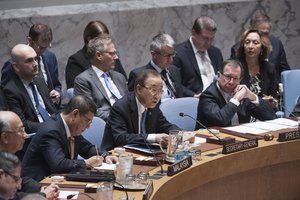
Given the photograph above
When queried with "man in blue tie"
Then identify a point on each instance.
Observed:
(99, 82)
(27, 94)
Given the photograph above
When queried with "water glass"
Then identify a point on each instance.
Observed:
(124, 167)
(104, 191)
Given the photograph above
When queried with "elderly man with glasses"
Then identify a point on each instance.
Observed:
(136, 118)
(226, 102)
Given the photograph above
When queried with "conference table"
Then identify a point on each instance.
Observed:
(269, 171)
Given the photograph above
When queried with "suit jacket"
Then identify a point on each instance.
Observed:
(49, 151)
(88, 84)
(19, 101)
(174, 75)
(214, 111)
(79, 62)
(122, 125)
(51, 68)
(267, 77)
(277, 56)
(3, 102)
(186, 61)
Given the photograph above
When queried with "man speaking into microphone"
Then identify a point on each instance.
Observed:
(226, 102)
(136, 117)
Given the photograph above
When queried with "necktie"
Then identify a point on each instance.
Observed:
(43, 112)
(235, 118)
(166, 78)
(72, 147)
(206, 67)
(143, 122)
(113, 92)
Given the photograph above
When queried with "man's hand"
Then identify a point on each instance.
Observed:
(162, 139)
(55, 96)
(51, 191)
(273, 102)
(242, 91)
(94, 161)
(111, 159)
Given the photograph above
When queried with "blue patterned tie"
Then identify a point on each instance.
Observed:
(43, 112)
(113, 92)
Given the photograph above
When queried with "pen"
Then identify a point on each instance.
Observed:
(97, 150)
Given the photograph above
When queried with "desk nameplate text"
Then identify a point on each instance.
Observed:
(240, 146)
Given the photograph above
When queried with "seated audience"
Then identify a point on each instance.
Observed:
(10, 180)
(197, 59)
(277, 57)
(79, 62)
(39, 38)
(55, 147)
(99, 82)
(226, 102)
(162, 52)
(12, 138)
(260, 75)
(136, 118)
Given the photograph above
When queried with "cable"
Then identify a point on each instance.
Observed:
(122, 188)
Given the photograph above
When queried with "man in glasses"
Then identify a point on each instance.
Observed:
(100, 82)
(12, 138)
(162, 52)
(136, 118)
(57, 144)
(39, 38)
(197, 59)
(226, 102)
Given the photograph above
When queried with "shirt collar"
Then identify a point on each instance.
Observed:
(224, 94)
(140, 106)
(98, 71)
(66, 127)
(195, 50)
(157, 68)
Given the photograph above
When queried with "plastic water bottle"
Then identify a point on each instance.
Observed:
(179, 154)
(186, 149)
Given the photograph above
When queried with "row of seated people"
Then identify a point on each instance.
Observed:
(149, 86)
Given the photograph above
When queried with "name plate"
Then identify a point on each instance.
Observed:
(292, 135)
(179, 166)
(240, 146)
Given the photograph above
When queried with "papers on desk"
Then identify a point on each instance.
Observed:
(106, 166)
(65, 194)
(264, 127)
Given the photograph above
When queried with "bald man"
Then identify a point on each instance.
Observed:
(12, 137)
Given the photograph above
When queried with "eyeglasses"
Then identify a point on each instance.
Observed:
(229, 77)
(154, 91)
(166, 55)
(20, 130)
(111, 53)
(18, 179)
(89, 121)
(41, 47)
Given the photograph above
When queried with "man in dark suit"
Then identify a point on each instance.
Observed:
(136, 118)
(57, 144)
(39, 38)
(262, 23)
(79, 62)
(197, 59)
(162, 52)
(225, 102)
(20, 89)
(12, 138)
(100, 82)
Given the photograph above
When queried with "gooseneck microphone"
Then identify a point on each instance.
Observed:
(153, 154)
(186, 115)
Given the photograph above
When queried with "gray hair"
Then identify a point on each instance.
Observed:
(98, 44)
(161, 40)
(9, 162)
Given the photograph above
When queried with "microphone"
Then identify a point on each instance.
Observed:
(156, 158)
(227, 140)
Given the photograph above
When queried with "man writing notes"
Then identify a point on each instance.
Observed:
(136, 118)
(197, 59)
(226, 102)
(100, 82)
(55, 147)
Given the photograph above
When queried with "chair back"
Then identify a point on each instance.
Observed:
(291, 89)
(187, 105)
(95, 132)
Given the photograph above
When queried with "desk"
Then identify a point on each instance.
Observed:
(270, 171)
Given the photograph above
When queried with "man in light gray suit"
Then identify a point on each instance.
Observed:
(100, 82)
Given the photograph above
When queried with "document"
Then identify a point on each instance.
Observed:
(65, 194)
(106, 167)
